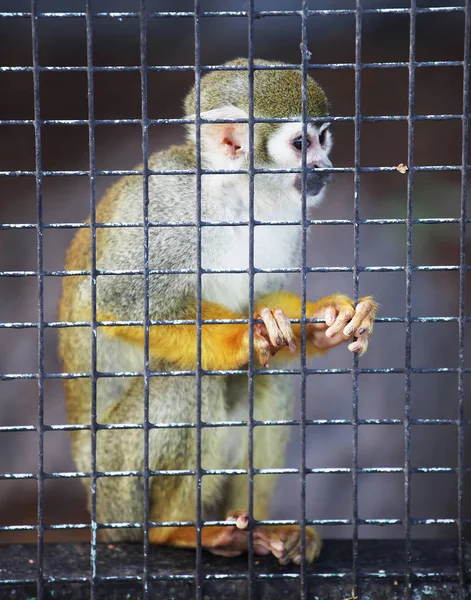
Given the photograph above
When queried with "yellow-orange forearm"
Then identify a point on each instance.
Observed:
(223, 346)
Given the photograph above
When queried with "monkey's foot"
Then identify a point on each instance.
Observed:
(290, 535)
(232, 541)
(342, 321)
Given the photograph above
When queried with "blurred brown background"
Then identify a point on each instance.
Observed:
(436, 194)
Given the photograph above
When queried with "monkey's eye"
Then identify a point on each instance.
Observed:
(322, 136)
(298, 143)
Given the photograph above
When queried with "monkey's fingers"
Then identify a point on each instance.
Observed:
(360, 345)
(274, 334)
(284, 325)
(278, 328)
(344, 314)
(261, 347)
(363, 319)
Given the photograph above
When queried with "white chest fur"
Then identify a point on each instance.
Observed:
(227, 247)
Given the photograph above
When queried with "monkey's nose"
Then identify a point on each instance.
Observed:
(315, 181)
(326, 177)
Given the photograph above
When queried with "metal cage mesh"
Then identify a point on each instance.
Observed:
(307, 63)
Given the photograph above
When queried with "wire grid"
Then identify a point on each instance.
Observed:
(356, 269)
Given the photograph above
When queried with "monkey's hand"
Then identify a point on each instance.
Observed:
(342, 321)
(270, 336)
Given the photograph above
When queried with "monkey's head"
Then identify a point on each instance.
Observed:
(277, 94)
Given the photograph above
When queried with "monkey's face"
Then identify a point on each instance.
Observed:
(285, 149)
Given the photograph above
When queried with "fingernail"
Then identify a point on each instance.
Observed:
(278, 545)
(349, 331)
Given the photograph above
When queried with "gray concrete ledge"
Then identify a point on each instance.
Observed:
(171, 573)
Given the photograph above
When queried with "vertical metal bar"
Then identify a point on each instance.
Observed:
(462, 308)
(93, 373)
(40, 276)
(305, 55)
(197, 32)
(250, 367)
(145, 203)
(356, 284)
(408, 272)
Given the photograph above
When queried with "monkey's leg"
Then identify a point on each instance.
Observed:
(118, 499)
(272, 400)
(173, 498)
(121, 499)
(264, 485)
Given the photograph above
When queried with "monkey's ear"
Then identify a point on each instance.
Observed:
(230, 140)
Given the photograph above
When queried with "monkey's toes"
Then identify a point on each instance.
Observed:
(292, 541)
(265, 542)
(241, 518)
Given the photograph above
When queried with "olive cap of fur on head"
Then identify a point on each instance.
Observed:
(277, 93)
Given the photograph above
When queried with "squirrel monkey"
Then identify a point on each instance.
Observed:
(172, 296)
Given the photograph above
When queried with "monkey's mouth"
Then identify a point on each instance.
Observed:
(315, 182)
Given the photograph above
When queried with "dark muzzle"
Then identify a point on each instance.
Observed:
(314, 182)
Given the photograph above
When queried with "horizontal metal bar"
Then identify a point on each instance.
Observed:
(156, 224)
(190, 68)
(68, 324)
(128, 172)
(238, 372)
(216, 424)
(332, 118)
(231, 472)
(102, 272)
(230, 13)
(295, 576)
(267, 522)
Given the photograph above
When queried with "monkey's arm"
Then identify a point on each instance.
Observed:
(223, 346)
(342, 320)
(226, 346)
